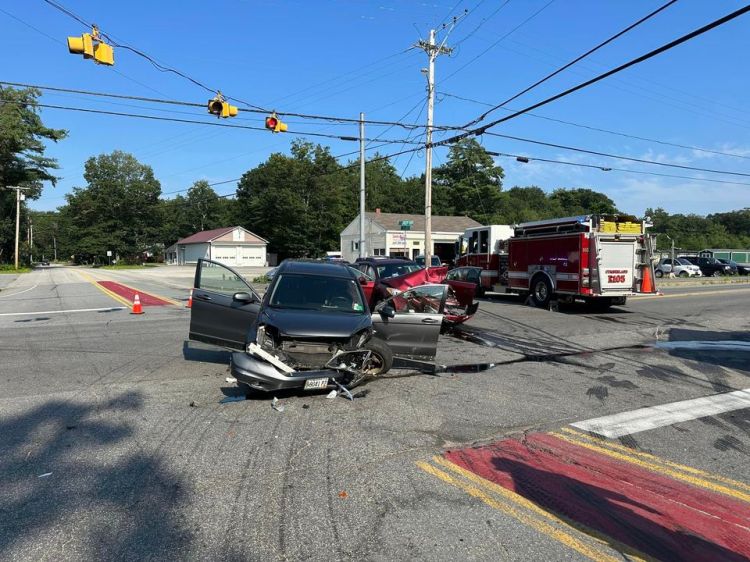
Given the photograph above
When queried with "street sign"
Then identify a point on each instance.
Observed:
(109, 253)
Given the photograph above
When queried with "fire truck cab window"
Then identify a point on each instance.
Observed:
(473, 242)
(484, 241)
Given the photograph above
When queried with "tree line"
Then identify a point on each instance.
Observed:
(299, 202)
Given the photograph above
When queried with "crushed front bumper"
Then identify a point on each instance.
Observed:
(260, 375)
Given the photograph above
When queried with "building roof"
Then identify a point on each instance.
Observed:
(390, 221)
(211, 235)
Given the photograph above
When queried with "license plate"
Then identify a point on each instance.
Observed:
(311, 384)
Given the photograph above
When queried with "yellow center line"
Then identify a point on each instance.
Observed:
(653, 467)
(531, 506)
(565, 538)
(140, 292)
(708, 475)
(104, 290)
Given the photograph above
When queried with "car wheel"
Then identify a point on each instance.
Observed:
(380, 362)
(541, 291)
(659, 273)
(684, 274)
(717, 273)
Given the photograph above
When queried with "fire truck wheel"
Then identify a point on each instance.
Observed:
(541, 291)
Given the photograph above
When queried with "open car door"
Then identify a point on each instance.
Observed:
(224, 306)
(409, 323)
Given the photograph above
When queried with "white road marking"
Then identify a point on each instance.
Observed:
(644, 419)
(20, 292)
(107, 309)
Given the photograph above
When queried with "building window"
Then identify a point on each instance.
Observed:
(378, 252)
(355, 245)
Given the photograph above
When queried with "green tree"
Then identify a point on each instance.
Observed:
(520, 204)
(471, 180)
(22, 157)
(583, 201)
(118, 209)
(298, 202)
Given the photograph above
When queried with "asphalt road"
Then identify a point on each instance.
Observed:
(114, 443)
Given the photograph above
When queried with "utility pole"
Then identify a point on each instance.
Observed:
(433, 51)
(362, 249)
(54, 245)
(19, 198)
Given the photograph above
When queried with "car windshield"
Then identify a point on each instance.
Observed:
(396, 269)
(316, 292)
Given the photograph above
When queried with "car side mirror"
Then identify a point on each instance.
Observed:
(243, 297)
(387, 310)
(363, 280)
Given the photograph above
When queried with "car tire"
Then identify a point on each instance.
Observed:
(684, 274)
(541, 291)
(717, 273)
(659, 273)
(480, 291)
(381, 361)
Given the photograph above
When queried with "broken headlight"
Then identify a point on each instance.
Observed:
(263, 339)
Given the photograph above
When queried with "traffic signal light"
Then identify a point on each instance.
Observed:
(218, 106)
(91, 46)
(274, 124)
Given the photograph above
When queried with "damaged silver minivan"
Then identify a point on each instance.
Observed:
(313, 326)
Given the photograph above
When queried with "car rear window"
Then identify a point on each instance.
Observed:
(316, 292)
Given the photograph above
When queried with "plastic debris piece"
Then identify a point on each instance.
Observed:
(230, 379)
(343, 495)
(344, 390)
(276, 405)
(332, 394)
(362, 393)
(305, 406)
(45, 475)
(193, 404)
(227, 399)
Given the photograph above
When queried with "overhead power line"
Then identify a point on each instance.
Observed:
(502, 38)
(208, 123)
(619, 157)
(574, 61)
(157, 65)
(633, 62)
(527, 159)
(608, 131)
(203, 105)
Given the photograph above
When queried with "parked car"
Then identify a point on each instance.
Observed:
(743, 268)
(709, 266)
(312, 326)
(469, 274)
(734, 269)
(434, 260)
(681, 268)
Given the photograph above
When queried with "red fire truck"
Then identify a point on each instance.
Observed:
(601, 259)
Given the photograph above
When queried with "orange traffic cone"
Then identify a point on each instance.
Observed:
(647, 285)
(190, 300)
(137, 309)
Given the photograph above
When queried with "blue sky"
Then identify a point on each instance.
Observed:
(340, 57)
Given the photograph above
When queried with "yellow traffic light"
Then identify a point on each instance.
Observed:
(104, 54)
(91, 46)
(220, 107)
(275, 125)
(82, 45)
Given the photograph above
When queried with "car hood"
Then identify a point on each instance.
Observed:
(315, 324)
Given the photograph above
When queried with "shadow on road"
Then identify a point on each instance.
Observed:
(67, 475)
(191, 353)
(612, 515)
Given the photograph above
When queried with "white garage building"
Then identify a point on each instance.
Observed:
(232, 245)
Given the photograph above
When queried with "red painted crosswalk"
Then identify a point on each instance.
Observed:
(129, 293)
(664, 517)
